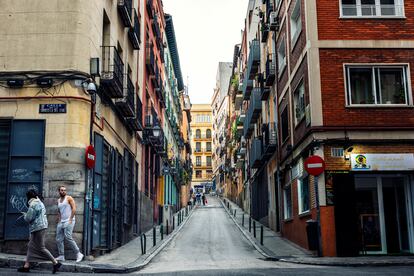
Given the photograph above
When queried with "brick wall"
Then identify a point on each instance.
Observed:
(333, 88)
(332, 27)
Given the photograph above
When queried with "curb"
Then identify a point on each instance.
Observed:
(360, 264)
(249, 238)
(136, 265)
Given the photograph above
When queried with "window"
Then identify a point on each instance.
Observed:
(208, 133)
(208, 161)
(208, 146)
(295, 23)
(198, 133)
(303, 195)
(299, 102)
(198, 161)
(377, 85)
(287, 201)
(285, 124)
(281, 56)
(198, 174)
(198, 147)
(372, 8)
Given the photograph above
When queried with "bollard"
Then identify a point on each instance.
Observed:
(173, 223)
(143, 244)
(254, 228)
(250, 224)
(243, 220)
(178, 219)
(154, 236)
(234, 212)
(261, 234)
(162, 231)
(167, 228)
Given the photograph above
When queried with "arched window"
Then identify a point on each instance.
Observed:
(208, 133)
(198, 133)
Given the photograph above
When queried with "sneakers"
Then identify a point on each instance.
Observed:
(56, 267)
(79, 257)
(60, 258)
(23, 269)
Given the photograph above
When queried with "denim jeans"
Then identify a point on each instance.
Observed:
(64, 231)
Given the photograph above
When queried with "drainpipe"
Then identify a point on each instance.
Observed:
(88, 189)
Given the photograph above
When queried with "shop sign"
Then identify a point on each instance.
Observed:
(382, 162)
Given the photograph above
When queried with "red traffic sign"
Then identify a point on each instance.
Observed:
(314, 165)
(90, 157)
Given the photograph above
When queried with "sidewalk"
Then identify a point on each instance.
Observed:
(276, 247)
(125, 259)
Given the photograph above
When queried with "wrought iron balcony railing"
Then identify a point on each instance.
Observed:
(256, 153)
(126, 105)
(125, 11)
(112, 72)
(134, 33)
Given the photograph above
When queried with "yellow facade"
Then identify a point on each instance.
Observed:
(201, 143)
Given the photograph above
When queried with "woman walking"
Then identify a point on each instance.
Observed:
(36, 217)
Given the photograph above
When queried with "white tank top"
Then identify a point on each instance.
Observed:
(65, 210)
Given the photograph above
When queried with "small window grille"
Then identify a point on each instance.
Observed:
(337, 152)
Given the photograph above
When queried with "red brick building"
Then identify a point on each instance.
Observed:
(344, 92)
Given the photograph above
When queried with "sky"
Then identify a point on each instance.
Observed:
(206, 32)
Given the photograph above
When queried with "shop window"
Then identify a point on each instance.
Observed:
(303, 195)
(287, 200)
(377, 85)
(372, 8)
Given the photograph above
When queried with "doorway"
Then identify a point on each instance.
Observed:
(383, 206)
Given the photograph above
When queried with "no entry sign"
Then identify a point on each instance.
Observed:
(90, 157)
(314, 165)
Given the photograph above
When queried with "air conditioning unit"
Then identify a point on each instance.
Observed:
(273, 22)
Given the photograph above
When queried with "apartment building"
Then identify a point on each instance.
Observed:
(71, 86)
(202, 147)
(328, 78)
(221, 124)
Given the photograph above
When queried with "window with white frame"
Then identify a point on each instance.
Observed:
(295, 22)
(303, 195)
(372, 8)
(281, 56)
(377, 85)
(299, 102)
(287, 201)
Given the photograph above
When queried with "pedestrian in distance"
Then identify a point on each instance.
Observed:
(204, 199)
(66, 223)
(36, 249)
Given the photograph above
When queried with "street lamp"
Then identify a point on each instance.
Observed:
(156, 131)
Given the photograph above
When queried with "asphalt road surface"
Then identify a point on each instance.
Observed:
(210, 244)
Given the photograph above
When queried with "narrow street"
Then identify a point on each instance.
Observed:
(210, 244)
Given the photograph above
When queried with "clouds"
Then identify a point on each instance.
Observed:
(206, 32)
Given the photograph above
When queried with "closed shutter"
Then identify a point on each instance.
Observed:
(5, 128)
(105, 195)
(97, 193)
(25, 172)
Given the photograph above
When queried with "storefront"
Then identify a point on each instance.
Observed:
(373, 204)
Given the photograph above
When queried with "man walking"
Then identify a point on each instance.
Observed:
(66, 223)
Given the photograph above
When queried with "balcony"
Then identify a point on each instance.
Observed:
(112, 72)
(156, 27)
(238, 100)
(155, 79)
(150, 59)
(203, 164)
(161, 94)
(255, 105)
(247, 88)
(269, 140)
(270, 73)
(253, 62)
(264, 28)
(247, 129)
(150, 8)
(126, 105)
(134, 33)
(135, 123)
(202, 137)
(256, 154)
(125, 11)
